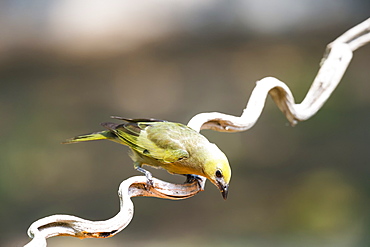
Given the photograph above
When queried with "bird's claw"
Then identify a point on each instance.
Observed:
(191, 178)
(149, 180)
(149, 177)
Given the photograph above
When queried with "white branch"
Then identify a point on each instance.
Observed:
(339, 54)
(67, 225)
(334, 64)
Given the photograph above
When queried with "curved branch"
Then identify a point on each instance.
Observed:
(334, 64)
(339, 54)
(67, 225)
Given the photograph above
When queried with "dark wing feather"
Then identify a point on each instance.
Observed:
(136, 120)
(135, 126)
(126, 135)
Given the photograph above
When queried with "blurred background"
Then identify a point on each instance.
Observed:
(66, 66)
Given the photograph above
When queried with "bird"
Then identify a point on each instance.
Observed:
(172, 146)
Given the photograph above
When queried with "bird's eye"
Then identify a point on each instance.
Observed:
(218, 174)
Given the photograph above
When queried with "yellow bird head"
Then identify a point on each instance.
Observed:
(217, 169)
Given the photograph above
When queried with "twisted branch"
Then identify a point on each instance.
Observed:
(67, 225)
(335, 62)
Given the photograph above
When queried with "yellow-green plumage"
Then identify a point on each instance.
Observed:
(171, 146)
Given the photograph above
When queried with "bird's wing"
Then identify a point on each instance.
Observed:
(153, 138)
(137, 120)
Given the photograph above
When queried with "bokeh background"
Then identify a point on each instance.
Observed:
(66, 66)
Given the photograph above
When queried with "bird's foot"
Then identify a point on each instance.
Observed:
(190, 178)
(149, 177)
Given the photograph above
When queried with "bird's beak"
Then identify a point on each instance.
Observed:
(224, 188)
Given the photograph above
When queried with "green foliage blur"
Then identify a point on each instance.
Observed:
(292, 186)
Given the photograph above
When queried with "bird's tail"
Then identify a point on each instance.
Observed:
(102, 135)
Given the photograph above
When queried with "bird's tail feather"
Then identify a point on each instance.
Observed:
(102, 135)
